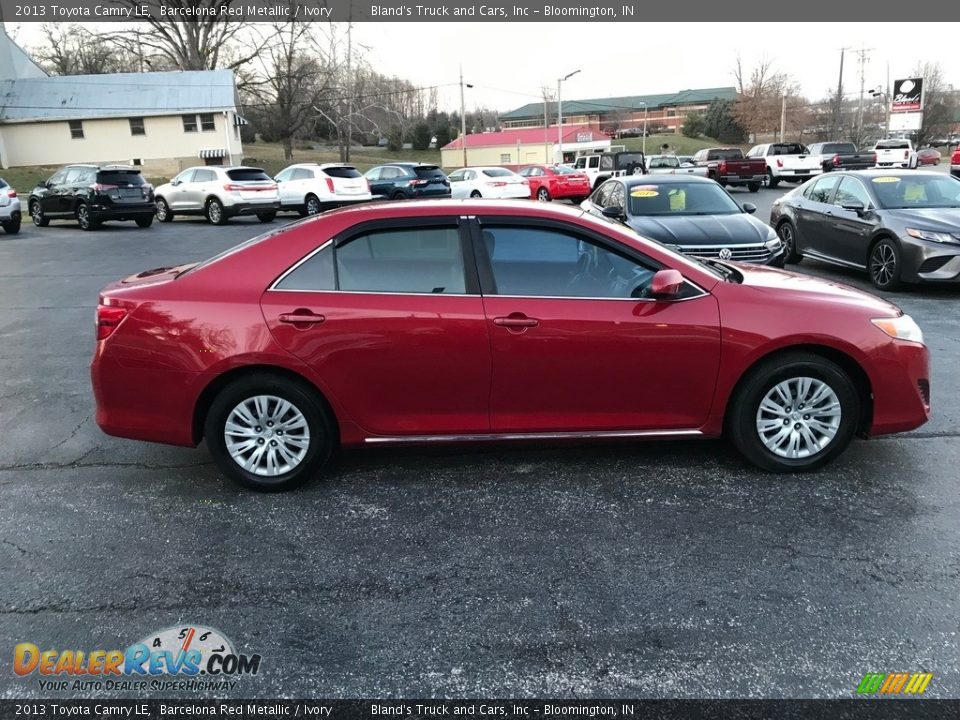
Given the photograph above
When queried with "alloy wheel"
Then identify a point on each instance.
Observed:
(798, 418)
(883, 264)
(313, 206)
(267, 435)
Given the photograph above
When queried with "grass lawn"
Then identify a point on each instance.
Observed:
(679, 144)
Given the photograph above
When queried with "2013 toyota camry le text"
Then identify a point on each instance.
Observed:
(463, 321)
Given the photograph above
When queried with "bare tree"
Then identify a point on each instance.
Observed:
(760, 93)
(940, 103)
(73, 50)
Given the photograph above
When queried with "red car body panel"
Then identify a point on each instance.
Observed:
(399, 365)
(560, 186)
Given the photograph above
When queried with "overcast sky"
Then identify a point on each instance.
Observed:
(508, 63)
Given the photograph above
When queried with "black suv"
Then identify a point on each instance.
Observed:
(92, 194)
(404, 180)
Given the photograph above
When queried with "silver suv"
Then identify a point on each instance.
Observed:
(219, 193)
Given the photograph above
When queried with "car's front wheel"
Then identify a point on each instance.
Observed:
(268, 433)
(884, 265)
(145, 221)
(543, 195)
(312, 205)
(794, 412)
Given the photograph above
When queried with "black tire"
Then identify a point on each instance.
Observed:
(215, 212)
(12, 227)
(772, 182)
(743, 422)
(399, 196)
(884, 265)
(476, 194)
(543, 195)
(145, 221)
(753, 187)
(36, 212)
(788, 236)
(319, 422)
(164, 213)
(83, 218)
(266, 217)
(312, 205)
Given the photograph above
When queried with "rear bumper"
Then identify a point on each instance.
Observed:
(900, 376)
(10, 213)
(439, 193)
(572, 192)
(742, 179)
(251, 208)
(100, 212)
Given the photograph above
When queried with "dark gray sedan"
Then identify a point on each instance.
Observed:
(690, 214)
(898, 225)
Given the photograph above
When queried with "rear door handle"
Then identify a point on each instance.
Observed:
(519, 321)
(302, 317)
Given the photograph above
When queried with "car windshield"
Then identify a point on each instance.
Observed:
(677, 199)
(900, 192)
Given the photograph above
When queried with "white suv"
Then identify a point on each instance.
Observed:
(219, 193)
(310, 188)
(9, 208)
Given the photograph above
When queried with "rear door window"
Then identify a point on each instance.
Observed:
(202, 176)
(342, 172)
(426, 260)
(121, 178)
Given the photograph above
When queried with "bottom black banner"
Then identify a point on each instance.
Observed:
(867, 709)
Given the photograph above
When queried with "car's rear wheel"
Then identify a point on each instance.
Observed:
(794, 412)
(399, 196)
(788, 237)
(753, 187)
(543, 195)
(145, 221)
(476, 194)
(84, 219)
(884, 265)
(12, 227)
(36, 212)
(164, 214)
(266, 217)
(215, 213)
(268, 433)
(312, 205)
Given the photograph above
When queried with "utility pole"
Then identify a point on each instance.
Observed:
(863, 60)
(838, 110)
(463, 120)
(346, 154)
(783, 119)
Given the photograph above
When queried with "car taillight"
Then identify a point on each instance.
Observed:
(330, 184)
(100, 187)
(906, 154)
(230, 187)
(417, 183)
(108, 318)
(779, 163)
(722, 167)
(496, 184)
(836, 161)
(874, 158)
(11, 193)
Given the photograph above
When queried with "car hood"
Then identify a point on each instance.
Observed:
(714, 230)
(777, 283)
(946, 219)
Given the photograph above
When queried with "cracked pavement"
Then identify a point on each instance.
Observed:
(619, 570)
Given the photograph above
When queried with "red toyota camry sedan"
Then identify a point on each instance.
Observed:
(449, 321)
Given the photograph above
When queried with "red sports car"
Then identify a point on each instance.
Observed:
(451, 321)
(556, 182)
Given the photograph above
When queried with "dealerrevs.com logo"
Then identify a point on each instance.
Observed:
(189, 658)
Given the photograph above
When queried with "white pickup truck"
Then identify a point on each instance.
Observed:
(671, 165)
(790, 162)
(895, 153)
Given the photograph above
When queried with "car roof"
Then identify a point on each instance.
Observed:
(874, 172)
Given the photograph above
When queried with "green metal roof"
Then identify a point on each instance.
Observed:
(629, 103)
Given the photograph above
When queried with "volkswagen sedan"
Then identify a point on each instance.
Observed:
(470, 321)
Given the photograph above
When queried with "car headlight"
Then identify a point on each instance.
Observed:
(940, 237)
(900, 328)
(773, 243)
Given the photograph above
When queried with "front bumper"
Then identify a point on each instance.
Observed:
(929, 261)
(900, 378)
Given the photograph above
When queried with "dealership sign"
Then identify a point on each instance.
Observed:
(907, 95)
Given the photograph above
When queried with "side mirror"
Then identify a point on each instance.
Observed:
(854, 206)
(175, 182)
(749, 208)
(43, 183)
(666, 284)
(612, 211)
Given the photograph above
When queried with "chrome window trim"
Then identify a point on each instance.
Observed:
(474, 437)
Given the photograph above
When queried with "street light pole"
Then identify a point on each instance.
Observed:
(560, 115)
(644, 141)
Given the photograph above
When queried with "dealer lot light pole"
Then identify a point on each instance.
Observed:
(560, 115)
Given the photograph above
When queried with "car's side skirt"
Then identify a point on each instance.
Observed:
(833, 261)
(502, 437)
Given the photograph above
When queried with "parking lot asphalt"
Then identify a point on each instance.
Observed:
(630, 570)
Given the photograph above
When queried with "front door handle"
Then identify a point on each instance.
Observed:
(302, 316)
(516, 320)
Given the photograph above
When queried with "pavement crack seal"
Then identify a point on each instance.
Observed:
(73, 433)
